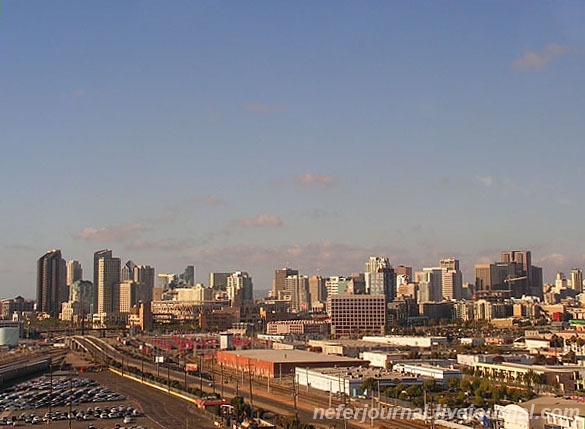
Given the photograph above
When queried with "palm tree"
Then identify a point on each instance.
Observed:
(369, 386)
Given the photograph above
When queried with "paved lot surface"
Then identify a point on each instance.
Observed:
(160, 410)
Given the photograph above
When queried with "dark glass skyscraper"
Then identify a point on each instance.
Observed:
(51, 279)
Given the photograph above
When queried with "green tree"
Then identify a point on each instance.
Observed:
(241, 408)
(369, 386)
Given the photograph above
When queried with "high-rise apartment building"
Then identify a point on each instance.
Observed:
(74, 272)
(240, 289)
(577, 280)
(107, 272)
(51, 282)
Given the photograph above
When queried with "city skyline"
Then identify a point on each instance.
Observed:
(310, 135)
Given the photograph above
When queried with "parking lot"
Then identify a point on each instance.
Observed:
(67, 400)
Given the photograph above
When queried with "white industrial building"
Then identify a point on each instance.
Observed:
(380, 359)
(409, 341)
(542, 413)
(439, 374)
(9, 333)
(348, 380)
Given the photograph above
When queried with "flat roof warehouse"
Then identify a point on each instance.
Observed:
(268, 363)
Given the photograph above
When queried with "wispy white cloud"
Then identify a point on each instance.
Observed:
(117, 233)
(262, 108)
(485, 180)
(535, 60)
(309, 179)
(262, 220)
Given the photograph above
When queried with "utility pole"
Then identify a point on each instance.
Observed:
(222, 380)
(294, 386)
(250, 380)
(169, 375)
(201, 373)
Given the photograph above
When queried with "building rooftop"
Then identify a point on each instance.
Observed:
(549, 402)
(362, 373)
(291, 356)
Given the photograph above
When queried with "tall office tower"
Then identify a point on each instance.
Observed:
(317, 290)
(577, 280)
(500, 276)
(380, 278)
(560, 281)
(96, 256)
(108, 282)
(240, 289)
(218, 280)
(127, 271)
(188, 275)
(278, 286)
(526, 280)
(128, 295)
(452, 279)
(298, 289)
(74, 272)
(144, 277)
(402, 270)
(430, 282)
(51, 279)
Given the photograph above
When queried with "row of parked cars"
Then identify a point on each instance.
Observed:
(60, 391)
(127, 413)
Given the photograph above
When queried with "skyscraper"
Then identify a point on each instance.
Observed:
(74, 272)
(380, 278)
(51, 279)
(317, 290)
(96, 256)
(107, 271)
(144, 278)
(240, 288)
(127, 271)
(278, 286)
(577, 280)
(452, 279)
(188, 275)
(298, 289)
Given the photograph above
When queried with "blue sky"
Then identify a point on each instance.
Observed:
(254, 135)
